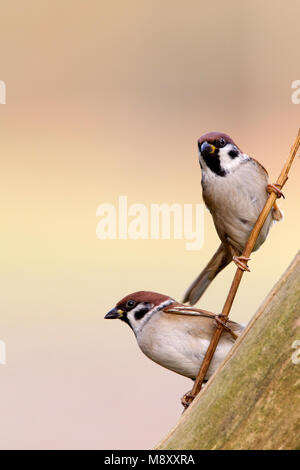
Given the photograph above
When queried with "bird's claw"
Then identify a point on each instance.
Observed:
(239, 261)
(187, 399)
(221, 322)
(274, 188)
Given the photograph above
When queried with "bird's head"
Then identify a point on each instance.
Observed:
(219, 153)
(135, 309)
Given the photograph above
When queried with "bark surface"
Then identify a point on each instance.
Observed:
(253, 400)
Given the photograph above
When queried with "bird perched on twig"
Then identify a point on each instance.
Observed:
(235, 189)
(172, 334)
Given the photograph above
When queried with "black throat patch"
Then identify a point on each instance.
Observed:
(213, 163)
(125, 320)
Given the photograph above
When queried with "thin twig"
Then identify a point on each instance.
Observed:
(239, 273)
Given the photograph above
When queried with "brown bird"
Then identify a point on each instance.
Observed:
(235, 189)
(172, 334)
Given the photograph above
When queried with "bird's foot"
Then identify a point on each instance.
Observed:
(274, 188)
(239, 261)
(221, 321)
(187, 399)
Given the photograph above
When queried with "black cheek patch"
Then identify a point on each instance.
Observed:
(141, 313)
(233, 153)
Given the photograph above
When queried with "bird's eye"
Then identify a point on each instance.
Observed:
(220, 143)
(130, 303)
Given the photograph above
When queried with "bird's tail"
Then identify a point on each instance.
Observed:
(218, 262)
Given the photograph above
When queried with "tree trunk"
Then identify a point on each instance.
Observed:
(252, 401)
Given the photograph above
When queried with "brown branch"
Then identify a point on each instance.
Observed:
(239, 274)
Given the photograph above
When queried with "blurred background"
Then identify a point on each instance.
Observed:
(108, 98)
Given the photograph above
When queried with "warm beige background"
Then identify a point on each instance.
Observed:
(107, 98)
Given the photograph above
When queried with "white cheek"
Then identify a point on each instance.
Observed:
(228, 163)
(131, 317)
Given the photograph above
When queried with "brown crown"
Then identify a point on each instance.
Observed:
(211, 137)
(144, 296)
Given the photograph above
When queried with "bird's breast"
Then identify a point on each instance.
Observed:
(177, 343)
(236, 200)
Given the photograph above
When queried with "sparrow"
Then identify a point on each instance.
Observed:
(235, 189)
(172, 334)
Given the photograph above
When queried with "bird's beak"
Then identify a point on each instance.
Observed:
(207, 148)
(115, 313)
